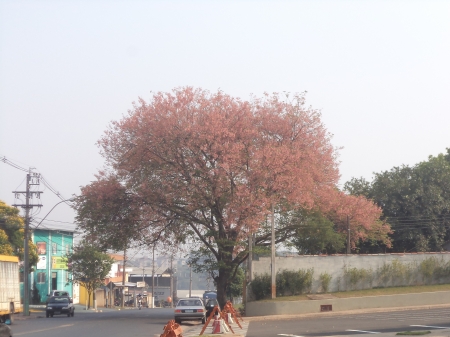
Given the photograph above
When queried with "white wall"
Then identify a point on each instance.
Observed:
(335, 265)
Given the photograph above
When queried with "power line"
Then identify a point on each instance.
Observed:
(70, 223)
(42, 178)
(10, 163)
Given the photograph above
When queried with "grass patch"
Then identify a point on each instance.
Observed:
(413, 333)
(373, 292)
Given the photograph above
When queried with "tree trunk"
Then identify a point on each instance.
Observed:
(222, 283)
(89, 299)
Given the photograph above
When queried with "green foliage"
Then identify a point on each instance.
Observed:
(427, 268)
(353, 276)
(237, 283)
(287, 283)
(12, 233)
(89, 266)
(261, 286)
(294, 282)
(315, 234)
(325, 280)
(412, 195)
(5, 246)
(434, 270)
(385, 273)
(429, 271)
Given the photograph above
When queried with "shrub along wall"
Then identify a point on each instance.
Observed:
(318, 274)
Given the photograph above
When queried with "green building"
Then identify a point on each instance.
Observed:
(51, 272)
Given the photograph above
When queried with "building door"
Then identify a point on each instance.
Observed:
(54, 283)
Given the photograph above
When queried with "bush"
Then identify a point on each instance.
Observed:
(325, 280)
(261, 286)
(287, 283)
(294, 282)
(355, 275)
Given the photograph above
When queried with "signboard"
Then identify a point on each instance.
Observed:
(42, 262)
(41, 248)
(59, 262)
(140, 284)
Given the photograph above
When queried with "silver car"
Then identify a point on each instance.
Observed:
(190, 309)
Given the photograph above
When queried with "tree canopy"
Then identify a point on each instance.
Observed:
(415, 200)
(315, 234)
(89, 266)
(12, 234)
(209, 167)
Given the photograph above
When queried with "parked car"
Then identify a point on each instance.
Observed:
(59, 305)
(210, 304)
(59, 293)
(190, 309)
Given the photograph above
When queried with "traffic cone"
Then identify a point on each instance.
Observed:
(217, 326)
(229, 319)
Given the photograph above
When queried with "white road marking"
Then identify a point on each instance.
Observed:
(361, 331)
(288, 334)
(34, 331)
(432, 326)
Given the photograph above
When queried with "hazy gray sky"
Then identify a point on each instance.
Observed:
(378, 70)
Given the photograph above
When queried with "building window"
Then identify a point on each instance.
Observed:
(54, 248)
(40, 277)
(21, 276)
(67, 249)
(41, 248)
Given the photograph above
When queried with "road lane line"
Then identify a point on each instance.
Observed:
(288, 334)
(34, 331)
(361, 331)
(432, 326)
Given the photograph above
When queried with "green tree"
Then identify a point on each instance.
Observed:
(315, 234)
(11, 234)
(89, 266)
(415, 201)
(236, 286)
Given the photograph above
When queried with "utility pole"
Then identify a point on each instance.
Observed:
(190, 281)
(31, 179)
(250, 257)
(348, 236)
(171, 280)
(274, 284)
(153, 277)
(123, 277)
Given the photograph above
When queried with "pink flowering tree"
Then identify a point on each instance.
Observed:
(209, 167)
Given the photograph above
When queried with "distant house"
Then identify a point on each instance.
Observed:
(103, 295)
(51, 272)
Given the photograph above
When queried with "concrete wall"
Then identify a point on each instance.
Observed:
(264, 308)
(337, 265)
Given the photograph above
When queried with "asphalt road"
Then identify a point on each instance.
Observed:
(148, 322)
(352, 324)
(109, 323)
